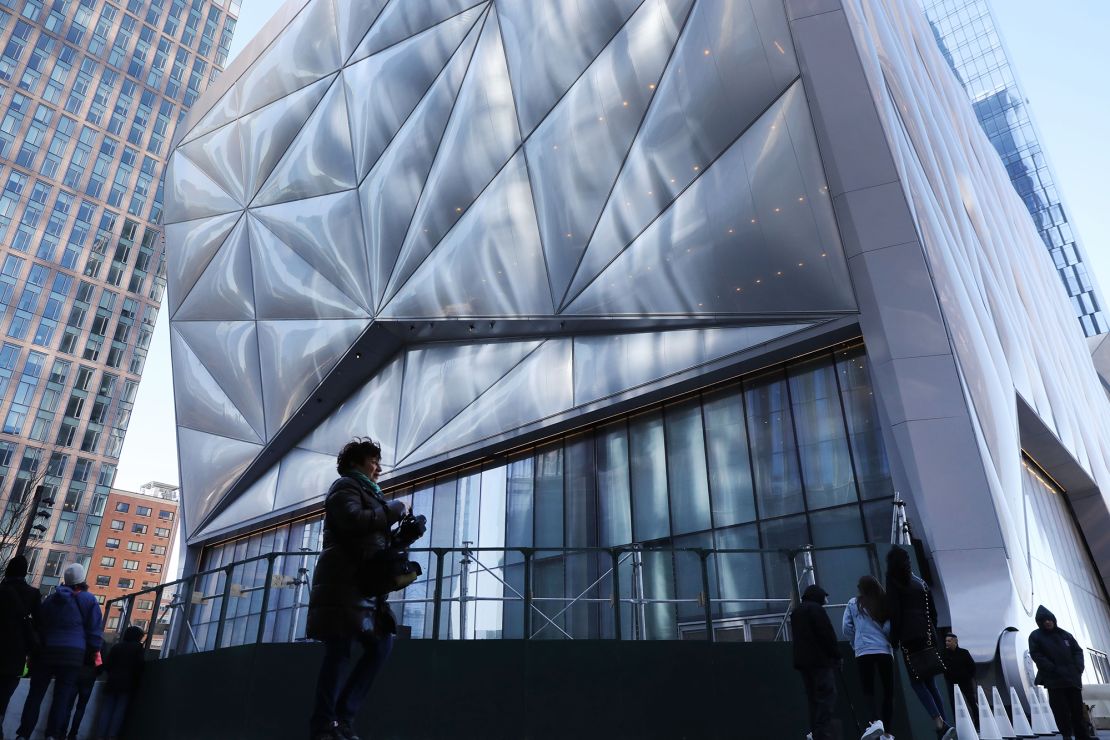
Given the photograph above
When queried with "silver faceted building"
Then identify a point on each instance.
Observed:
(719, 274)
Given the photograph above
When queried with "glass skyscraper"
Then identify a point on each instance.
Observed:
(970, 42)
(90, 94)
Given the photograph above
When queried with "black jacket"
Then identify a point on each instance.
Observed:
(356, 527)
(912, 613)
(814, 638)
(17, 600)
(959, 666)
(1058, 656)
(124, 664)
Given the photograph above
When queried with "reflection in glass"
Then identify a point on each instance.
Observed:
(778, 486)
(686, 475)
(822, 443)
(730, 475)
(862, 418)
(614, 510)
(649, 477)
(741, 574)
(839, 570)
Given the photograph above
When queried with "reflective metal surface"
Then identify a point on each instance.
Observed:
(353, 21)
(201, 403)
(191, 193)
(228, 350)
(206, 460)
(257, 501)
(304, 476)
(400, 20)
(220, 155)
(223, 292)
(195, 242)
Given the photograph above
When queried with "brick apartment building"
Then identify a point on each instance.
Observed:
(134, 547)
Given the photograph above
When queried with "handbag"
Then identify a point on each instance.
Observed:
(926, 662)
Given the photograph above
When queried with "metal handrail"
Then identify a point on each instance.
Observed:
(528, 560)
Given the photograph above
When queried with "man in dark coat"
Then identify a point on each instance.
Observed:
(959, 670)
(357, 522)
(124, 666)
(817, 658)
(18, 601)
(1059, 660)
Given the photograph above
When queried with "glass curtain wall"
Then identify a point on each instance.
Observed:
(787, 457)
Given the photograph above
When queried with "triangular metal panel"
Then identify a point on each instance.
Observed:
(268, 132)
(319, 160)
(371, 411)
(229, 351)
(209, 465)
(490, 264)
(441, 380)
(257, 501)
(354, 19)
(401, 20)
(327, 233)
(192, 246)
(305, 476)
(287, 287)
(390, 192)
(580, 146)
(192, 193)
(632, 360)
(537, 388)
(383, 89)
(220, 155)
(743, 239)
(224, 290)
(295, 356)
(549, 43)
(306, 50)
(701, 106)
(224, 111)
(200, 402)
(480, 137)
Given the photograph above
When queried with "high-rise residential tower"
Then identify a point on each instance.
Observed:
(90, 94)
(970, 42)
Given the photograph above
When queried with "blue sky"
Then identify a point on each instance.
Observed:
(1061, 57)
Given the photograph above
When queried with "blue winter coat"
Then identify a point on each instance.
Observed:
(70, 625)
(867, 636)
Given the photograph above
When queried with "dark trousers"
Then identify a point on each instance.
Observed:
(1067, 708)
(113, 710)
(84, 690)
(339, 696)
(65, 687)
(820, 686)
(8, 685)
(883, 666)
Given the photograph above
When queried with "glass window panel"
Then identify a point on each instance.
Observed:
(518, 507)
(467, 508)
(877, 518)
(741, 574)
(778, 486)
(581, 571)
(838, 571)
(513, 626)
(549, 497)
(614, 511)
(651, 518)
(730, 475)
(581, 493)
(659, 619)
(547, 582)
(864, 429)
(782, 534)
(822, 439)
(443, 524)
(686, 474)
(688, 581)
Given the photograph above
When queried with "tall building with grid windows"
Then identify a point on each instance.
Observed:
(970, 42)
(90, 95)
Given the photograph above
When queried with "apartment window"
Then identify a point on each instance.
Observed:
(130, 564)
(108, 561)
(111, 543)
(117, 524)
(123, 508)
(161, 532)
(126, 583)
(153, 567)
(157, 549)
(144, 604)
(137, 528)
(143, 511)
(103, 580)
(134, 546)
(167, 515)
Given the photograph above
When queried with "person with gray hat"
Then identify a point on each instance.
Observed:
(70, 625)
(19, 610)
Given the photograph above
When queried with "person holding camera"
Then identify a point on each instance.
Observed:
(361, 562)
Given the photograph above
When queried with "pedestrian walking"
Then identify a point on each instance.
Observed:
(866, 626)
(19, 613)
(342, 610)
(69, 624)
(1059, 660)
(817, 658)
(912, 629)
(124, 667)
(959, 671)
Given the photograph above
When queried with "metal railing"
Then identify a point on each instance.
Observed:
(178, 616)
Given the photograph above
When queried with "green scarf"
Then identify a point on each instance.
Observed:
(364, 480)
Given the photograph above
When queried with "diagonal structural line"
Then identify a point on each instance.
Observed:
(518, 593)
(586, 590)
(189, 347)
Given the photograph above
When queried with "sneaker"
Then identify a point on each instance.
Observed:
(809, 736)
(343, 731)
(948, 732)
(873, 731)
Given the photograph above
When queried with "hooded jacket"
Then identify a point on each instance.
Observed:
(70, 625)
(124, 663)
(912, 613)
(1058, 656)
(814, 638)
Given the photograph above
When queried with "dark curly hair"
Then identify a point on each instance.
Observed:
(356, 452)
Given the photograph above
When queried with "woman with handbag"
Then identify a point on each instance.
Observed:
(912, 628)
(357, 522)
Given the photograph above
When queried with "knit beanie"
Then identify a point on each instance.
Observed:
(73, 574)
